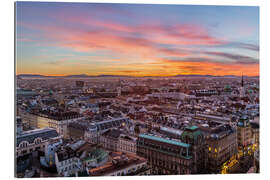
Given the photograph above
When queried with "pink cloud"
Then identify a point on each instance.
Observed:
(113, 36)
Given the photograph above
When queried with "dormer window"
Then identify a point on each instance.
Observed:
(38, 141)
(23, 144)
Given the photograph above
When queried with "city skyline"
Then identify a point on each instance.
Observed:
(136, 39)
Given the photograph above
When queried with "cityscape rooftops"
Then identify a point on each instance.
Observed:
(31, 135)
(110, 123)
(171, 130)
(119, 161)
(95, 153)
(25, 92)
(164, 140)
(192, 128)
(65, 153)
(113, 133)
(59, 116)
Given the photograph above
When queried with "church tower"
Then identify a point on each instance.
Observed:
(242, 88)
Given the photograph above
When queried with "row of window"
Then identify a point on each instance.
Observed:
(25, 151)
(25, 144)
(182, 151)
(68, 161)
(68, 168)
(122, 173)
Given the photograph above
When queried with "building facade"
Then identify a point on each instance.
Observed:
(244, 132)
(122, 164)
(95, 129)
(50, 148)
(66, 161)
(115, 140)
(221, 146)
(169, 156)
(57, 121)
(33, 140)
(127, 144)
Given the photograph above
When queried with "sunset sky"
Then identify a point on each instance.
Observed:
(136, 39)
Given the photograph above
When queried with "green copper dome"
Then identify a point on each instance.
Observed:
(50, 92)
(192, 135)
(227, 88)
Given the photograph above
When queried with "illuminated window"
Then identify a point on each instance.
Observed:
(209, 149)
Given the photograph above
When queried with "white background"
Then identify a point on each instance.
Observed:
(7, 86)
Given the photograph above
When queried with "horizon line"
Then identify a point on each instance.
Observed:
(135, 75)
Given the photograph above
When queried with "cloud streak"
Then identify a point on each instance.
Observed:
(157, 46)
(238, 59)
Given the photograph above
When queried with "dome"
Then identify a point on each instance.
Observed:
(50, 92)
(227, 87)
(192, 135)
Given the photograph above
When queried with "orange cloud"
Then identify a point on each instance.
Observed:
(146, 42)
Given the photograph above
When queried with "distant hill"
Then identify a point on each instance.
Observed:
(230, 76)
(105, 76)
(30, 76)
(194, 75)
(77, 76)
(87, 76)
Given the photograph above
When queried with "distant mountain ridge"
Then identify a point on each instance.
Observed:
(31, 75)
(104, 75)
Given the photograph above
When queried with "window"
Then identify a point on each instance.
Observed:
(23, 144)
(37, 141)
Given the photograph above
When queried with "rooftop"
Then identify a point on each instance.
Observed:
(65, 153)
(192, 128)
(58, 115)
(160, 139)
(31, 135)
(120, 161)
(113, 133)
